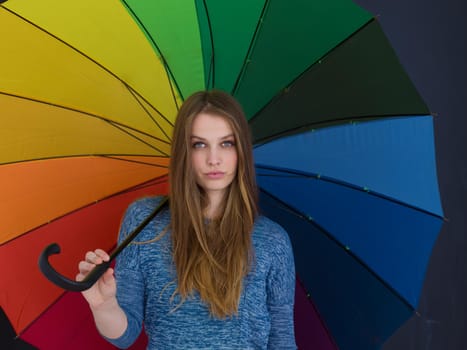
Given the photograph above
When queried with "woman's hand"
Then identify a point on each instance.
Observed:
(105, 289)
(110, 319)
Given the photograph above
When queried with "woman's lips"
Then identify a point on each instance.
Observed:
(215, 175)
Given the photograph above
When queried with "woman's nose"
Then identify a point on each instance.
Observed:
(213, 157)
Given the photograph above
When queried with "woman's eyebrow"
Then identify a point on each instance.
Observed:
(221, 138)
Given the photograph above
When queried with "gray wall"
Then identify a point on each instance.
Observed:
(430, 39)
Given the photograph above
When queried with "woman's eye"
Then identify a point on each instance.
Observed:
(198, 145)
(228, 143)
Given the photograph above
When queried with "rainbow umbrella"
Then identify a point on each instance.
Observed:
(343, 143)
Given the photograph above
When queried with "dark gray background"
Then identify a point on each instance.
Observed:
(429, 38)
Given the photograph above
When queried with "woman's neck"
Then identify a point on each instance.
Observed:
(215, 200)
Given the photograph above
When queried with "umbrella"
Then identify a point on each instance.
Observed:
(343, 145)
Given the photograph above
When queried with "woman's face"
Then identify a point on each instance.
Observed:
(214, 154)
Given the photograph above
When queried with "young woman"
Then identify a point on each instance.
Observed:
(208, 272)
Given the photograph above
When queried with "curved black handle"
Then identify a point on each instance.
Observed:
(92, 277)
(66, 283)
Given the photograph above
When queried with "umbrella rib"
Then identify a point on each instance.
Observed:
(318, 61)
(135, 161)
(170, 75)
(108, 156)
(336, 121)
(90, 59)
(318, 313)
(31, 323)
(138, 138)
(309, 175)
(292, 210)
(134, 94)
(114, 124)
(246, 61)
(156, 181)
(212, 63)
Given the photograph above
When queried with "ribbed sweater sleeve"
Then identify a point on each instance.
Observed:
(281, 293)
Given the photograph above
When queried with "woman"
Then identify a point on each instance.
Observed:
(208, 272)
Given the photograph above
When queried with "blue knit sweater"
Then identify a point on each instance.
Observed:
(146, 281)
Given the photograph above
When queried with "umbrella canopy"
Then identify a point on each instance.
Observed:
(343, 145)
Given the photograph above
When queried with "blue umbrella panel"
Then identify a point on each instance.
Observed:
(361, 204)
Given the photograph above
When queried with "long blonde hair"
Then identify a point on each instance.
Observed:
(213, 257)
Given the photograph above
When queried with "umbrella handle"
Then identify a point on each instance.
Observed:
(92, 277)
(64, 282)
